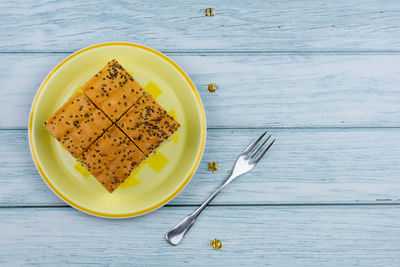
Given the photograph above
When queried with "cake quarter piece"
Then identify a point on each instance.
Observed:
(112, 158)
(147, 124)
(77, 124)
(113, 90)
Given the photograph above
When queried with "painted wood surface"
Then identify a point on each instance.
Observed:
(267, 91)
(182, 25)
(323, 76)
(304, 166)
(251, 236)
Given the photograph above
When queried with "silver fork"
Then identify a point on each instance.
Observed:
(244, 163)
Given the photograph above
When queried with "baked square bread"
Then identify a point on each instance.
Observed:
(112, 158)
(113, 90)
(89, 125)
(147, 124)
(77, 124)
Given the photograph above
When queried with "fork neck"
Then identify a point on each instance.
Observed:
(213, 195)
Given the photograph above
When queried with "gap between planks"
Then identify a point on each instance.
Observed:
(238, 52)
(264, 127)
(382, 203)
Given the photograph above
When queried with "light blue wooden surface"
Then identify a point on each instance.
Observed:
(275, 90)
(322, 76)
(307, 166)
(252, 236)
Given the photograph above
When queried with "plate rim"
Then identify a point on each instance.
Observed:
(129, 214)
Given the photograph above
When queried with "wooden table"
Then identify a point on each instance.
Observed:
(322, 76)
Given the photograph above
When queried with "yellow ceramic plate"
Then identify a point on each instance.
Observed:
(163, 175)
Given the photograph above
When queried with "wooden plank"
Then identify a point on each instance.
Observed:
(304, 166)
(257, 236)
(275, 90)
(182, 25)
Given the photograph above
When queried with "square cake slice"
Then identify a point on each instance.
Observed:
(77, 124)
(112, 158)
(113, 90)
(147, 124)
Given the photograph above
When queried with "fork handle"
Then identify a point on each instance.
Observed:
(175, 236)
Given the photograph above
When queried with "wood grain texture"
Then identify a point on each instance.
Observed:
(305, 90)
(182, 25)
(322, 75)
(304, 166)
(251, 236)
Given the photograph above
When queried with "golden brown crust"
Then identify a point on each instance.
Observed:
(147, 124)
(113, 90)
(112, 158)
(77, 124)
(89, 134)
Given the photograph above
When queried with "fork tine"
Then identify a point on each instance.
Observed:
(263, 153)
(259, 148)
(253, 144)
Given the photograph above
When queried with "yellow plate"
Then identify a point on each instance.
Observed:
(163, 175)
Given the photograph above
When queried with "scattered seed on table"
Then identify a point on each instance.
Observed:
(213, 166)
(216, 244)
(212, 88)
(210, 12)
